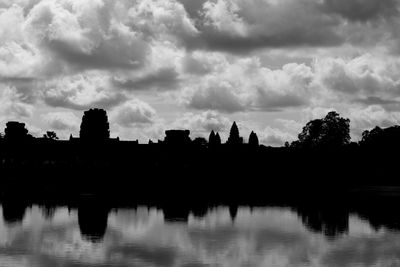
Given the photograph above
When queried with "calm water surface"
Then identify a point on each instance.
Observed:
(144, 237)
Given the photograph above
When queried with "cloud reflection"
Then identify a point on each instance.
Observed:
(141, 237)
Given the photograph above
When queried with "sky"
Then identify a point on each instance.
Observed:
(269, 65)
(141, 237)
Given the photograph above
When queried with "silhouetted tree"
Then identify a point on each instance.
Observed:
(95, 126)
(16, 132)
(371, 136)
(331, 131)
(234, 137)
(253, 139)
(383, 138)
(177, 137)
(200, 141)
(50, 135)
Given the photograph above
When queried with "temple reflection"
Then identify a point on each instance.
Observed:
(92, 221)
(13, 213)
(93, 217)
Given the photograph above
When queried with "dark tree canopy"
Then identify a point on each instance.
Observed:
(331, 131)
(234, 137)
(177, 137)
(373, 136)
(253, 139)
(200, 141)
(95, 126)
(50, 135)
(383, 138)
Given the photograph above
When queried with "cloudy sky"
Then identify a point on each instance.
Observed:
(199, 64)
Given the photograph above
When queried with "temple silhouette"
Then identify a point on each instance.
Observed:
(177, 167)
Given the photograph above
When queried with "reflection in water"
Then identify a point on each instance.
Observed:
(332, 222)
(92, 221)
(13, 213)
(91, 235)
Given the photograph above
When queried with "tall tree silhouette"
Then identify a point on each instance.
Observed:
(331, 131)
(95, 126)
(234, 137)
(253, 139)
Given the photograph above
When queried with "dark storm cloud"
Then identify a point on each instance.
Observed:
(270, 101)
(244, 26)
(163, 79)
(296, 37)
(105, 56)
(362, 10)
(193, 7)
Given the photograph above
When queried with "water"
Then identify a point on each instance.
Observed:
(142, 236)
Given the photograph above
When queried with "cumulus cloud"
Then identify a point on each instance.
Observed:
(132, 113)
(62, 121)
(247, 86)
(219, 97)
(274, 137)
(364, 80)
(365, 74)
(85, 35)
(203, 123)
(371, 116)
(198, 64)
(11, 107)
(82, 91)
